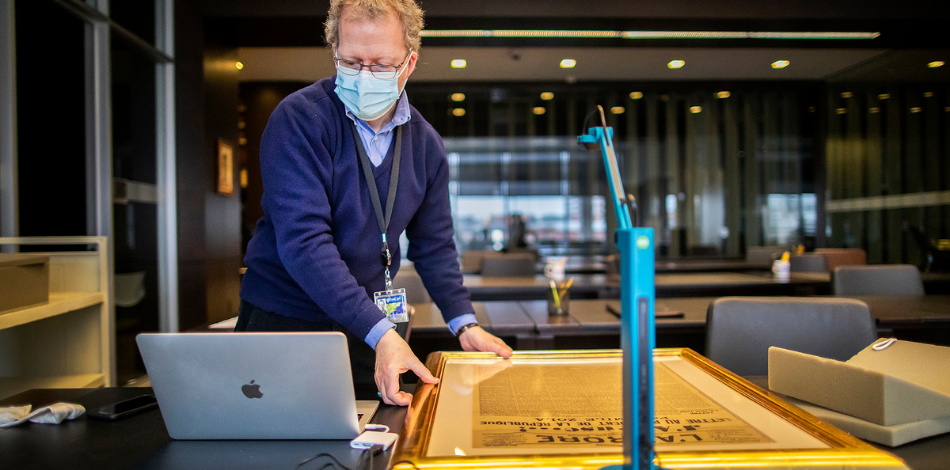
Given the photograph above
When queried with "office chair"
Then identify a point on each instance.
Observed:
(763, 254)
(740, 330)
(885, 279)
(807, 263)
(471, 260)
(835, 257)
(509, 265)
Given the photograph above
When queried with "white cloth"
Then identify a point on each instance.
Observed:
(52, 414)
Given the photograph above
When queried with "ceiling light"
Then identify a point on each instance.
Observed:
(239, 65)
(842, 110)
(458, 112)
(568, 63)
(935, 64)
(635, 95)
(723, 94)
(780, 64)
(916, 109)
(846, 94)
(547, 96)
(676, 64)
(458, 97)
(811, 109)
(928, 94)
(696, 109)
(884, 96)
(458, 63)
(618, 110)
(874, 110)
(539, 110)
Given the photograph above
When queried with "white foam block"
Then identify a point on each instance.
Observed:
(868, 394)
(926, 365)
(893, 436)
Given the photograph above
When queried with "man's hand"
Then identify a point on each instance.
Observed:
(477, 339)
(393, 357)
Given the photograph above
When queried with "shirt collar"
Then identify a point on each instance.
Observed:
(401, 116)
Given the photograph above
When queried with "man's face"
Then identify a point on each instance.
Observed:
(379, 42)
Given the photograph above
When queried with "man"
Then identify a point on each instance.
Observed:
(315, 259)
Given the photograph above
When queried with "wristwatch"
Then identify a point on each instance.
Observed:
(464, 328)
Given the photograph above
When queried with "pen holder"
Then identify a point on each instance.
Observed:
(560, 305)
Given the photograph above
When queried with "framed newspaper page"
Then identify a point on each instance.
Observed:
(564, 409)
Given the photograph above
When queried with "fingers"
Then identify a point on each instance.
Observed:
(422, 372)
(498, 346)
(477, 339)
(393, 357)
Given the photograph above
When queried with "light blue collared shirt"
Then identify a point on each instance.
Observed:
(377, 145)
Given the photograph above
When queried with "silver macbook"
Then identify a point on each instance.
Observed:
(254, 385)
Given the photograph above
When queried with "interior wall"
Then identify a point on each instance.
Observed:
(258, 101)
(754, 9)
(222, 211)
(209, 235)
(51, 121)
(889, 169)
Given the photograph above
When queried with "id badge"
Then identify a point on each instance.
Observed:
(393, 304)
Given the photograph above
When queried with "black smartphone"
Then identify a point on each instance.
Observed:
(124, 408)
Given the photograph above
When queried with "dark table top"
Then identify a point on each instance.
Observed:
(690, 284)
(888, 310)
(141, 441)
(907, 316)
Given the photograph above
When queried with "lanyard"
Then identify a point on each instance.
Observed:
(382, 220)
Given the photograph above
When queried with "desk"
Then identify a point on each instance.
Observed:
(592, 286)
(141, 442)
(923, 318)
(526, 325)
(532, 288)
(709, 265)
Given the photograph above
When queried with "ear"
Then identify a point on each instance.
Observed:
(411, 64)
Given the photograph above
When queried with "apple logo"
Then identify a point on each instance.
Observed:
(252, 390)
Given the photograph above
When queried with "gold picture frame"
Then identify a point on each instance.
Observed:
(446, 424)
(225, 184)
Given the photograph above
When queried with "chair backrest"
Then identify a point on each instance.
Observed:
(129, 288)
(509, 265)
(763, 254)
(472, 260)
(740, 330)
(884, 279)
(835, 257)
(807, 263)
(409, 279)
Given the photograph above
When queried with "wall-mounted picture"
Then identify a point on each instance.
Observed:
(225, 167)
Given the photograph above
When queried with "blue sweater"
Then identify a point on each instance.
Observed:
(315, 253)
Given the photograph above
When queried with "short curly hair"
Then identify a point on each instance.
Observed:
(408, 12)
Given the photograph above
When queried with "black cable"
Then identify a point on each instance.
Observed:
(335, 463)
(367, 457)
(634, 210)
(584, 126)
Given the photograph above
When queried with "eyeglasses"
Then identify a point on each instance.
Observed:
(380, 71)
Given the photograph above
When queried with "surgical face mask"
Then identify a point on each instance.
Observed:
(366, 96)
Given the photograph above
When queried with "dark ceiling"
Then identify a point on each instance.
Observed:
(283, 39)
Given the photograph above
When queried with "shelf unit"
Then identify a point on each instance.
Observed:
(67, 342)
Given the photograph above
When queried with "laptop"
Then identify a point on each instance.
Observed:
(254, 385)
